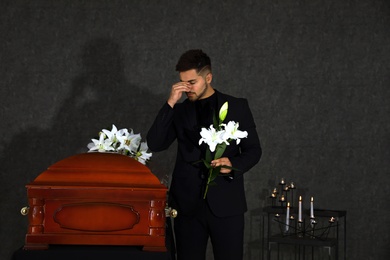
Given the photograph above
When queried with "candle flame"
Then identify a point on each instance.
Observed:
(300, 198)
(311, 199)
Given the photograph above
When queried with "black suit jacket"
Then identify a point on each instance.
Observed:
(227, 198)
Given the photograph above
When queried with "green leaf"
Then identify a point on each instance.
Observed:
(208, 155)
(207, 164)
(199, 161)
(214, 173)
(219, 150)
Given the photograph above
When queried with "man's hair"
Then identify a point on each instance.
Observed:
(193, 59)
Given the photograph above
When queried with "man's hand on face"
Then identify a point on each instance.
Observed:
(177, 92)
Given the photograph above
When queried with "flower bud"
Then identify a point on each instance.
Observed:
(223, 111)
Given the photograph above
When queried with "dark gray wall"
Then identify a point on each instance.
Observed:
(316, 74)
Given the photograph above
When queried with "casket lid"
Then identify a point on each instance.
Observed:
(98, 169)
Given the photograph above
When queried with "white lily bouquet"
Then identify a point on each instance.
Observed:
(122, 141)
(217, 137)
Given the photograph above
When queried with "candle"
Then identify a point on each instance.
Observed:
(282, 181)
(292, 185)
(311, 207)
(288, 216)
(300, 209)
(281, 198)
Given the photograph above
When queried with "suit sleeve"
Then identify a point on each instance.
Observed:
(162, 132)
(250, 149)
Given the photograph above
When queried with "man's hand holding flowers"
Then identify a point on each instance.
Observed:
(224, 161)
(217, 137)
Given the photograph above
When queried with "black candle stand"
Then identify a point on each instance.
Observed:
(313, 229)
(322, 231)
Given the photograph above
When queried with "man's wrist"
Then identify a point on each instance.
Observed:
(170, 103)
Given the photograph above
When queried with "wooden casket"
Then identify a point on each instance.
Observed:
(96, 199)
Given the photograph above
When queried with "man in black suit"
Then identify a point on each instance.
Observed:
(220, 215)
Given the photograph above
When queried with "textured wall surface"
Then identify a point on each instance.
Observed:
(316, 74)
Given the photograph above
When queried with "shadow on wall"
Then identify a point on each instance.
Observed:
(99, 97)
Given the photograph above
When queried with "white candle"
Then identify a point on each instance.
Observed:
(288, 216)
(311, 207)
(300, 209)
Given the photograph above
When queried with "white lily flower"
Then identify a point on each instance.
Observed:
(123, 132)
(212, 137)
(121, 141)
(111, 135)
(129, 141)
(142, 155)
(232, 132)
(101, 145)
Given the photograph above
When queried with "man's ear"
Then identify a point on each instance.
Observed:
(209, 77)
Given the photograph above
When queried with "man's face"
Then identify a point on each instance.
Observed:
(199, 84)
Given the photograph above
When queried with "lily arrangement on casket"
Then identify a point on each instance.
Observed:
(122, 141)
(217, 137)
